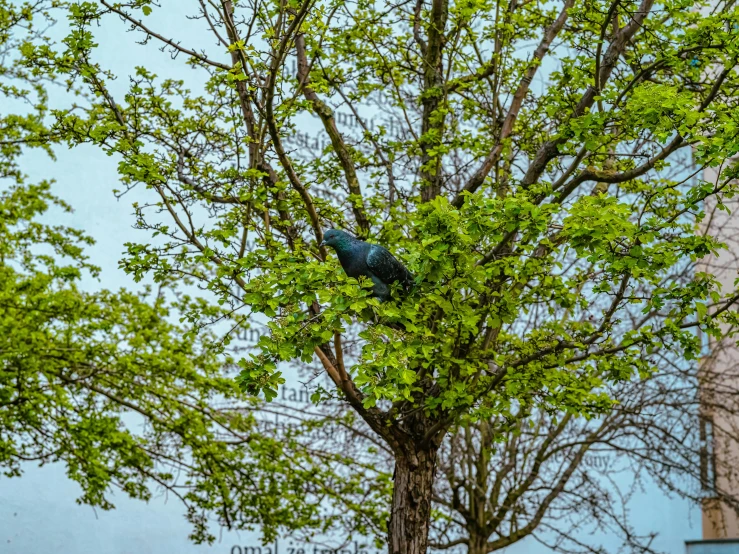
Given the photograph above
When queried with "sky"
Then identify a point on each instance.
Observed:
(38, 512)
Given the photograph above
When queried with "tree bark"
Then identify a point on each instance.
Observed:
(408, 528)
(477, 544)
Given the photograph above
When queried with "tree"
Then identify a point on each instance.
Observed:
(569, 483)
(552, 478)
(104, 383)
(501, 195)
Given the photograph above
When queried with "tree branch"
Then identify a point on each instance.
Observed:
(550, 149)
(326, 116)
(140, 25)
(432, 124)
(274, 132)
(492, 158)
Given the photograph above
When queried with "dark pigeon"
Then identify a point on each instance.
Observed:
(371, 260)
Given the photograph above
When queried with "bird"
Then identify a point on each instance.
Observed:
(371, 260)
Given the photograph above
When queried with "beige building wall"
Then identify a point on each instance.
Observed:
(719, 388)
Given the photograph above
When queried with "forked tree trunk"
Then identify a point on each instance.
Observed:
(477, 545)
(408, 528)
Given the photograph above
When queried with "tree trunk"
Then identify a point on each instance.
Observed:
(477, 545)
(408, 528)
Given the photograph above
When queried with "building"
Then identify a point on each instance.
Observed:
(719, 395)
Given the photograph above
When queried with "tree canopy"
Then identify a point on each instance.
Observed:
(111, 386)
(518, 157)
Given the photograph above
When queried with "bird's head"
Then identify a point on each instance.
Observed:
(336, 239)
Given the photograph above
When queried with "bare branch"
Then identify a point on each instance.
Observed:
(326, 116)
(140, 25)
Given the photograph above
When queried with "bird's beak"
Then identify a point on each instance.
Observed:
(323, 243)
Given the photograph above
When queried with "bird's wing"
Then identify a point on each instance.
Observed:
(386, 267)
